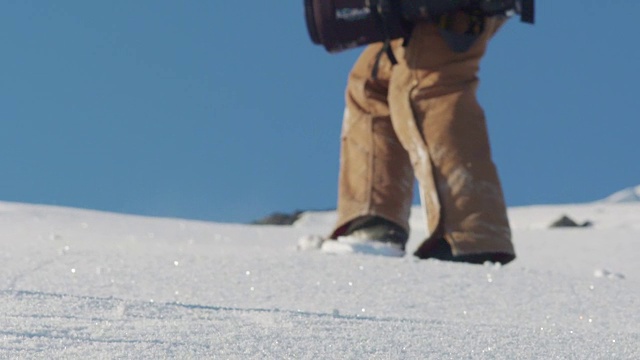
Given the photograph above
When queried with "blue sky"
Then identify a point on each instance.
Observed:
(225, 111)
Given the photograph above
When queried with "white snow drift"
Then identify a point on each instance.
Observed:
(85, 284)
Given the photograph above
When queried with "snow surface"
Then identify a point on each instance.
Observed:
(92, 285)
(631, 194)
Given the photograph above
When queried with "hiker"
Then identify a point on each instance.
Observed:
(421, 119)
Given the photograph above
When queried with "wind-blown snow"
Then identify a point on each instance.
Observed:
(85, 284)
(631, 194)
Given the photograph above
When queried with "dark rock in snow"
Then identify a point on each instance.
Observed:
(278, 218)
(566, 221)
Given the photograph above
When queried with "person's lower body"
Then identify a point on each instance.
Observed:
(421, 119)
(376, 175)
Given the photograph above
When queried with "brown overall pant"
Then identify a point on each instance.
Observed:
(420, 119)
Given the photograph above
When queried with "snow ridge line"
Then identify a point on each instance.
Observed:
(299, 313)
(60, 334)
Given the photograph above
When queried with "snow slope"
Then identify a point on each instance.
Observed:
(631, 194)
(85, 284)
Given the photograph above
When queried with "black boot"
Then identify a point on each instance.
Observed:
(375, 228)
(441, 250)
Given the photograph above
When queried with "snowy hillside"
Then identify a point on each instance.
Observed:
(631, 194)
(85, 284)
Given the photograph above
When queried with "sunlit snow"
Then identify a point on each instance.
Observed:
(85, 284)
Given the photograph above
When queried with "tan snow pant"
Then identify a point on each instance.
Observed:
(420, 119)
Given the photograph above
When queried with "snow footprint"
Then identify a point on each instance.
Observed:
(604, 273)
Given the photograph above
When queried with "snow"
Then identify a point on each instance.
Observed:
(86, 284)
(631, 194)
(355, 245)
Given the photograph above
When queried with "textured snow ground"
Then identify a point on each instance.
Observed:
(84, 284)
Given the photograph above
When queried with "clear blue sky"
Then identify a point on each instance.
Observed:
(225, 111)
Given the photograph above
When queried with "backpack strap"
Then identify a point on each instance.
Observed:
(382, 10)
(461, 42)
